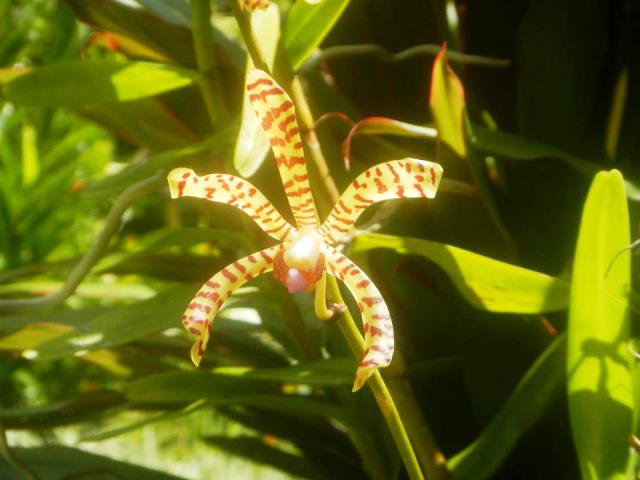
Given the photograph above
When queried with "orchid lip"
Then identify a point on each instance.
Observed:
(295, 281)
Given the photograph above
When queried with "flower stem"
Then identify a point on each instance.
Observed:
(377, 384)
(209, 82)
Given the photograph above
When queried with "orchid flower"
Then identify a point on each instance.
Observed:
(305, 253)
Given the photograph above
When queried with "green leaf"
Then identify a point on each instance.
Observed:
(252, 145)
(598, 363)
(332, 372)
(163, 38)
(62, 413)
(307, 25)
(77, 83)
(446, 100)
(532, 396)
(170, 415)
(258, 452)
(221, 389)
(146, 122)
(56, 462)
(485, 283)
(119, 325)
(219, 144)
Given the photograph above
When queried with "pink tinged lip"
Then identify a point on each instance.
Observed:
(296, 281)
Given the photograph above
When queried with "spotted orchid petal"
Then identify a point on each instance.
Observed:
(199, 315)
(406, 178)
(276, 114)
(232, 191)
(376, 321)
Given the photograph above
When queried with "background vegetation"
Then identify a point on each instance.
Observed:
(510, 292)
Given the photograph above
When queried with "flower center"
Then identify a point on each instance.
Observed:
(301, 264)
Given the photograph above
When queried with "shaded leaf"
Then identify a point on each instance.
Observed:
(62, 413)
(540, 386)
(188, 387)
(119, 325)
(219, 144)
(56, 462)
(485, 283)
(257, 451)
(77, 83)
(598, 363)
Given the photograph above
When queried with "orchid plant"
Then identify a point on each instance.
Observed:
(307, 252)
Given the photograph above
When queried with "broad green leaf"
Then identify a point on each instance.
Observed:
(258, 452)
(598, 363)
(446, 100)
(252, 145)
(542, 383)
(62, 413)
(307, 25)
(57, 462)
(119, 325)
(485, 283)
(77, 83)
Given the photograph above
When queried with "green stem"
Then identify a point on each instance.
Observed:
(210, 84)
(244, 23)
(93, 254)
(377, 384)
(382, 54)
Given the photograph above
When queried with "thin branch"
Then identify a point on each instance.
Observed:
(209, 81)
(93, 254)
(12, 460)
(376, 51)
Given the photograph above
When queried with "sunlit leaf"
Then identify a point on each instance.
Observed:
(446, 100)
(485, 283)
(598, 363)
(540, 386)
(77, 83)
(307, 25)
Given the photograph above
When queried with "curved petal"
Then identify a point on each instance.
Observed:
(276, 114)
(199, 315)
(233, 191)
(406, 178)
(378, 330)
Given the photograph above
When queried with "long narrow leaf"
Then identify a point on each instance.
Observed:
(598, 363)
